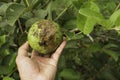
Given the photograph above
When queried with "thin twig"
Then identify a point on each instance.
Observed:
(117, 7)
(20, 26)
(62, 12)
(45, 4)
(27, 3)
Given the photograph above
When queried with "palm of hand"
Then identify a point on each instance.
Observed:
(37, 67)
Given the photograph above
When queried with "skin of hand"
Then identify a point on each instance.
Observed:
(37, 67)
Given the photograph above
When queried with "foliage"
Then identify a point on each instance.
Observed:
(90, 26)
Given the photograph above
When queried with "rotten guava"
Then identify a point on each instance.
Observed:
(44, 36)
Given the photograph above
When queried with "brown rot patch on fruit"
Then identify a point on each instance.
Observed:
(35, 33)
(42, 43)
(39, 25)
(47, 30)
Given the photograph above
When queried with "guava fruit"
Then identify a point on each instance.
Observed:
(44, 36)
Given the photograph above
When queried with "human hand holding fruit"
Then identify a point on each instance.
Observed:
(44, 38)
(37, 67)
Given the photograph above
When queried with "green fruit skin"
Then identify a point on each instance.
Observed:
(35, 38)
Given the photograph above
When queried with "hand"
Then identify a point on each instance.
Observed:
(37, 67)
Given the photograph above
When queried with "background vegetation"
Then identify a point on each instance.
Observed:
(91, 27)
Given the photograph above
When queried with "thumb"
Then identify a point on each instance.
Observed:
(58, 52)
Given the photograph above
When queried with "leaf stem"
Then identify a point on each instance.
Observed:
(90, 37)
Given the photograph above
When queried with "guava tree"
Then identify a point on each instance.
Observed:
(90, 26)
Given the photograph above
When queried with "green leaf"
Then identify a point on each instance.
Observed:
(4, 70)
(110, 45)
(94, 7)
(73, 36)
(94, 47)
(69, 25)
(0, 18)
(27, 2)
(78, 3)
(8, 64)
(13, 13)
(72, 44)
(114, 17)
(8, 78)
(59, 7)
(107, 74)
(105, 23)
(29, 22)
(69, 35)
(2, 40)
(81, 22)
(18, 1)
(89, 25)
(91, 13)
(113, 54)
(40, 14)
(87, 19)
(117, 22)
(7, 1)
(7, 28)
(3, 8)
(91, 5)
(69, 74)
(36, 3)
(12, 61)
(91, 9)
(86, 25)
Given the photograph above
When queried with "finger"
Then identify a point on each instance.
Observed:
(59, 50)
(34, 54)
(23, 50)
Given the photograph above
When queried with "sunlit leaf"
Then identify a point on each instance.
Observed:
(117, 23)
(91, 5)
(89, 26)
(81, 22)
(90, 13)
(114, 17)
